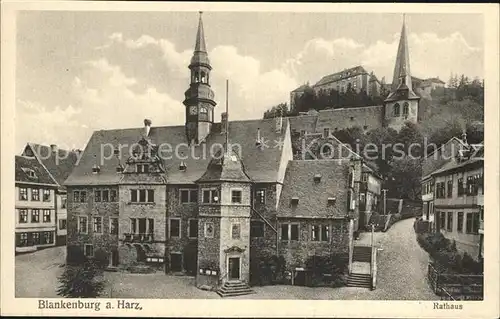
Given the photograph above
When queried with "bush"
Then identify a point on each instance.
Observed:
(267, 270)
(421, 226)
(334, 265)
(75, 255)
(101, 258)
(81, 281)
(445, 255)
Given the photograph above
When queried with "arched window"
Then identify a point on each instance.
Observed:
(196, 77)
(203, 110)
(396, 111)
(203, 78)
(406, 109)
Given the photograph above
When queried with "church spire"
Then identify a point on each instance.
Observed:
(200, 37)
(402, 74)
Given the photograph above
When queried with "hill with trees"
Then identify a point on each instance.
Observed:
(446, 113)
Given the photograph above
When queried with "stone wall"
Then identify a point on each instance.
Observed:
(297, 252)
(185, 212)
(104, 241)
(155, 211)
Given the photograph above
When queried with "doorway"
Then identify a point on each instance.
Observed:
(190, 260)
(234, 268)
(113, 258)
(175, 262)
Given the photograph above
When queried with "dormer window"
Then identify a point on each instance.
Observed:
(317, 178)
(96, 169)
(142, 168)
(182, 166)
(29, 172)
(331, 201)
(294, 201)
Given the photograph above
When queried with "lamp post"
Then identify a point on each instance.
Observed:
(373, 231)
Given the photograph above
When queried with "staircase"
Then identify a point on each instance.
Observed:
(362, 254)
(359, 280)
(360, 275)
(234, 288)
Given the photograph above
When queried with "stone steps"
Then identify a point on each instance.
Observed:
(231, 289)
(362, 254)
(359, 280)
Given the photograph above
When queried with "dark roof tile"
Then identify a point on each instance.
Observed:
(261, 164)
(22, 167)
(313, 196)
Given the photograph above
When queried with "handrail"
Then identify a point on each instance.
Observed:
(373, 267)
(265, 220)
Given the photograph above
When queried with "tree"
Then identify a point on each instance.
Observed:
(353, 136)
(276, 111)
(409, 135)
(406, 173)
(81, 281)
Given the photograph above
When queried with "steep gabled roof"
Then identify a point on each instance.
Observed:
(313, 195)
(39, 175)
(59, 164)
(441, 156)
(261, 164)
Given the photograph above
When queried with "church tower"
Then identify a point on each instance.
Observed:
(199, 97)
(401, 105)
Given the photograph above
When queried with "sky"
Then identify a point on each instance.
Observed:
(77, 72)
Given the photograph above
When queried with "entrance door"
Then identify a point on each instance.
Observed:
(234, 268)
(113, 258)
(190, 260)
(175, 262)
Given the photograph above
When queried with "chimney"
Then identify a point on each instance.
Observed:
(223, 122)
(53, 148)
(258, 142)
(147, 127)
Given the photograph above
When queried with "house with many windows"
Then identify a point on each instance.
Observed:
(453, 195)
(35, 207)
(58, 163)
(231, 193)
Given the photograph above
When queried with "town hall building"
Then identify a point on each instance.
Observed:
(234, 194)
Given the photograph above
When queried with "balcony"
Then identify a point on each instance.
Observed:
(138, 238)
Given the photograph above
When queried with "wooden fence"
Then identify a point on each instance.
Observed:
(455, 286)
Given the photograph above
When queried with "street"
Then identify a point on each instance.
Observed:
(402, 268)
